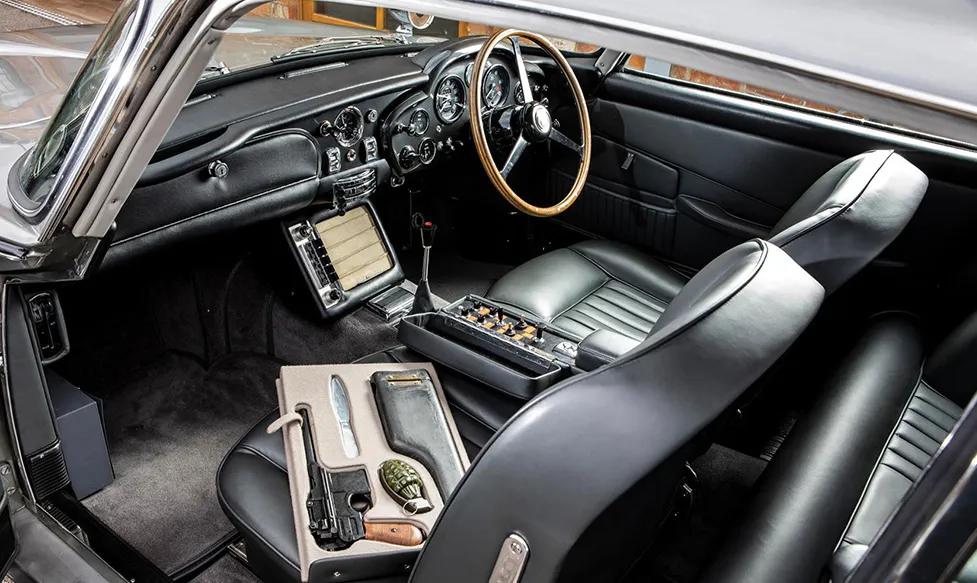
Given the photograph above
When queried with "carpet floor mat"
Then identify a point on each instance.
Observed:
(168, 429)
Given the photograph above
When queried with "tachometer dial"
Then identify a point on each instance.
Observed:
(449, 99)
(419, 122)
(348, 127)
(495, 87)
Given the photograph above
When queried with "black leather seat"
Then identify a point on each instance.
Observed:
(845, 467)
(633, 423)
(840, 224)
(252, 481)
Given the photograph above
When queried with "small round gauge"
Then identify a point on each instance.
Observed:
(426, 150)
(495, 87)
(449, 99)
(348, 127)
(420, 121)
(520, 98)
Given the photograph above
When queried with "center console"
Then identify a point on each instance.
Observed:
(344, 255)
(498, 346)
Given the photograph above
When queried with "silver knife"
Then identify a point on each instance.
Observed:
(340, 406)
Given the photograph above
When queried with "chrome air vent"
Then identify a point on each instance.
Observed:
(360, 184)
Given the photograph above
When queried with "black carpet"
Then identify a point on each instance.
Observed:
(185, 357)
(688, 544)
(226, 570)
(168, 429)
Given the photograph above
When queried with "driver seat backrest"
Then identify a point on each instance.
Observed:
(587, 470)
(850, 215)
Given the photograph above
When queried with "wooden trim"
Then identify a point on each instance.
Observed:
(379, 18)
(462, 29)
(479, 136)
(306, 9)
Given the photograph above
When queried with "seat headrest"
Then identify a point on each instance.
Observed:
(585, 470)
(850, 215)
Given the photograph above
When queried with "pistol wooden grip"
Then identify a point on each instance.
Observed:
(405, 535)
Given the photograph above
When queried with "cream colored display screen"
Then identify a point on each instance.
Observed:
(354, 247)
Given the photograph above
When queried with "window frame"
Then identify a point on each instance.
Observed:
(853, 121)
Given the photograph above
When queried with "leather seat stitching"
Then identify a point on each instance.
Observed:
(612, 278)
(906, 459)
(936, 405)
(897, 471)
(627, 309)
(915, 446)
(928, 436)
(605, 324)
(636, 299)
(604, 312)
(926, 416)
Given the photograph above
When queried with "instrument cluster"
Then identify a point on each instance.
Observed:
(430, 122)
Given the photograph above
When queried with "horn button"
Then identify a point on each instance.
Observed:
(536, 122)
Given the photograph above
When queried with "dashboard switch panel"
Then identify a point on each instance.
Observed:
(334, 160)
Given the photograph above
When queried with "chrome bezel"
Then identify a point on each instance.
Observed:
(508, 89)
(427, 121)
(420, 149)
(462, 104)
(359, 127)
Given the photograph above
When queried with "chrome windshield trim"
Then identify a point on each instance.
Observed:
(95, 126)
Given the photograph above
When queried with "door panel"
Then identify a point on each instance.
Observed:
(706, 171)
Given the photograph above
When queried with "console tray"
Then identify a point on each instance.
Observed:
(501, 367)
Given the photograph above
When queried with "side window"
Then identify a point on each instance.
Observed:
(661, 68)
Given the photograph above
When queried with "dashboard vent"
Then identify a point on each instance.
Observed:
(313, 70)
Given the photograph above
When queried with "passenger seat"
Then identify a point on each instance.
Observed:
(846, 466)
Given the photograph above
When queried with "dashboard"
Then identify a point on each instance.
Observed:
(434, 119)
(253, 149)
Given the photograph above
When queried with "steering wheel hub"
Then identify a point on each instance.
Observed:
(536, 122)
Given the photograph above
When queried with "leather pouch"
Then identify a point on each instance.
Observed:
(415, 424)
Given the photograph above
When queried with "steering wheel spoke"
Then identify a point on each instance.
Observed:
(527, 91)
(530, 121)
(514, 156)
(562, 139)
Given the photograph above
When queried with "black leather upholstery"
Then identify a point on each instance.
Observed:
(589, 286)
(252, 482)
(846, 466)
(586, 470)
(602, 347)
(840, 224)
(754, 291)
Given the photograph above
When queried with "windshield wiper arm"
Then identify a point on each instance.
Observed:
(343, 42)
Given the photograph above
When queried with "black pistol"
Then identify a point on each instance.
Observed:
(337, 501)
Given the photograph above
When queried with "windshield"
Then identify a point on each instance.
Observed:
(276, 31)
(286, 29)
(42, 164)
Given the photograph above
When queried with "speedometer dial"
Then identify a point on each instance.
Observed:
(495, 87)
(348, 127)
(449, 99)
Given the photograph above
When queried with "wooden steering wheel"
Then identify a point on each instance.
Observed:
(530, 122)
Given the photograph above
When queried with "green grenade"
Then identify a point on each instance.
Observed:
(405, 485)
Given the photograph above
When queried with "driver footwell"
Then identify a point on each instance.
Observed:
(185, 357)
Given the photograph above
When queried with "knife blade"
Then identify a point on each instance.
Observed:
(340, 406)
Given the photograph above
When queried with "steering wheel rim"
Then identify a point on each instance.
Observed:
(531, 109)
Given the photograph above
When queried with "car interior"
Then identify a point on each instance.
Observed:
(725, 355)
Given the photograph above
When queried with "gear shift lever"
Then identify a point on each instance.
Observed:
(423, 302)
